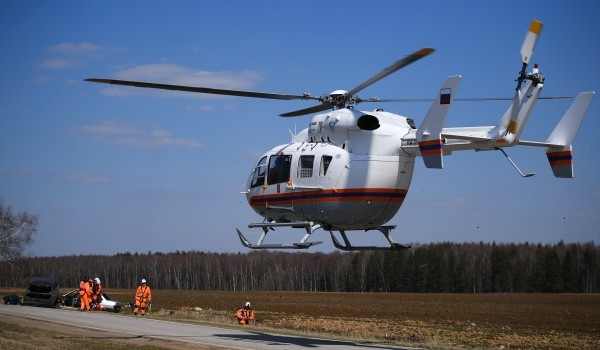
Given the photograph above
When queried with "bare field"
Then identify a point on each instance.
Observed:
(440, 321)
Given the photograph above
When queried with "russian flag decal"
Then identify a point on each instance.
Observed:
(445, 96)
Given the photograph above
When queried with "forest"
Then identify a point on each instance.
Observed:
(436, 268)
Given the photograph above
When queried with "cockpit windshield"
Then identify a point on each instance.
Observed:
(258, 175)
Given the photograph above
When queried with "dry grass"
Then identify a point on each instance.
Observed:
(440, 321)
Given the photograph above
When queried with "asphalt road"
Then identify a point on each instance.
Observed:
(201, 336)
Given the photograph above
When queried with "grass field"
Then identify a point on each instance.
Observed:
(440, 321)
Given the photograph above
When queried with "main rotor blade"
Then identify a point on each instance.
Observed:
(203, 90)
(314, 109)
(415, 56)
(325, 106)
(465, 99)
(475, 99)
(531, 38)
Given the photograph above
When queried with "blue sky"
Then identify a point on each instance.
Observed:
(121, 169)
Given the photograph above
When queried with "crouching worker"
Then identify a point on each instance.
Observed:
(245, 315)
(143, 298)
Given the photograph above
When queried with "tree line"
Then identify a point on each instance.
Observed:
(436, 267)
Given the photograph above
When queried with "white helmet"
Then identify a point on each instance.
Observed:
(247, 304)
(97, 280)
(143, 280)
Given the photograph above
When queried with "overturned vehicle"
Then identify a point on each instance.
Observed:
(71, 299)
(42, 291)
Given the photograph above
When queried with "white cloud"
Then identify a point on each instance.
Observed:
(68, 55)
(77, 49)
(118, 134)
(161, 133)
(174, 74)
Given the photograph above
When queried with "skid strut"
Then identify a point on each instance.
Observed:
(385, 230)
(513, 164)
(266, 226)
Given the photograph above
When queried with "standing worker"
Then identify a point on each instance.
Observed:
(97, 294)
(84, 293)
(245, 315)
(143, 297)
(89, 292)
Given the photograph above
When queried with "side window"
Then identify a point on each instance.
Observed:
(258, 175)
(305, 166)
(325, 161)
(279, 168)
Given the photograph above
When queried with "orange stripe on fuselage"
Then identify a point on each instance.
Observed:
(341, 195)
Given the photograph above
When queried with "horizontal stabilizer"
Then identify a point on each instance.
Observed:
(429, 134)
(457, 135)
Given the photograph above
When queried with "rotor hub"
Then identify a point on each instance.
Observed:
(339, 99)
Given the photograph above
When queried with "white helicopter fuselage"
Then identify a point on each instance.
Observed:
(347, 171)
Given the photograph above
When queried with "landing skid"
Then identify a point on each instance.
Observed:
(266, 226)
(310, 228)
(385, 230)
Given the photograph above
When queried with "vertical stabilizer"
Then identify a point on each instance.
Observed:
(429, 133)
(561, 158)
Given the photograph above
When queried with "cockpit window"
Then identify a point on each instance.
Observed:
(279, 168)
(258, 175)
(305, 166)
(325, 161)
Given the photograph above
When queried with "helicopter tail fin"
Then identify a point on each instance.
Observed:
(561, 157)
(429, 133)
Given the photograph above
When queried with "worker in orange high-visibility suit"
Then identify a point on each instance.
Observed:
(89, 292)
(97, 294)
(245, 315)
(84, 293)
(143, 297)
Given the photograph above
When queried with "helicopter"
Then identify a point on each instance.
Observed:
(351, 170)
